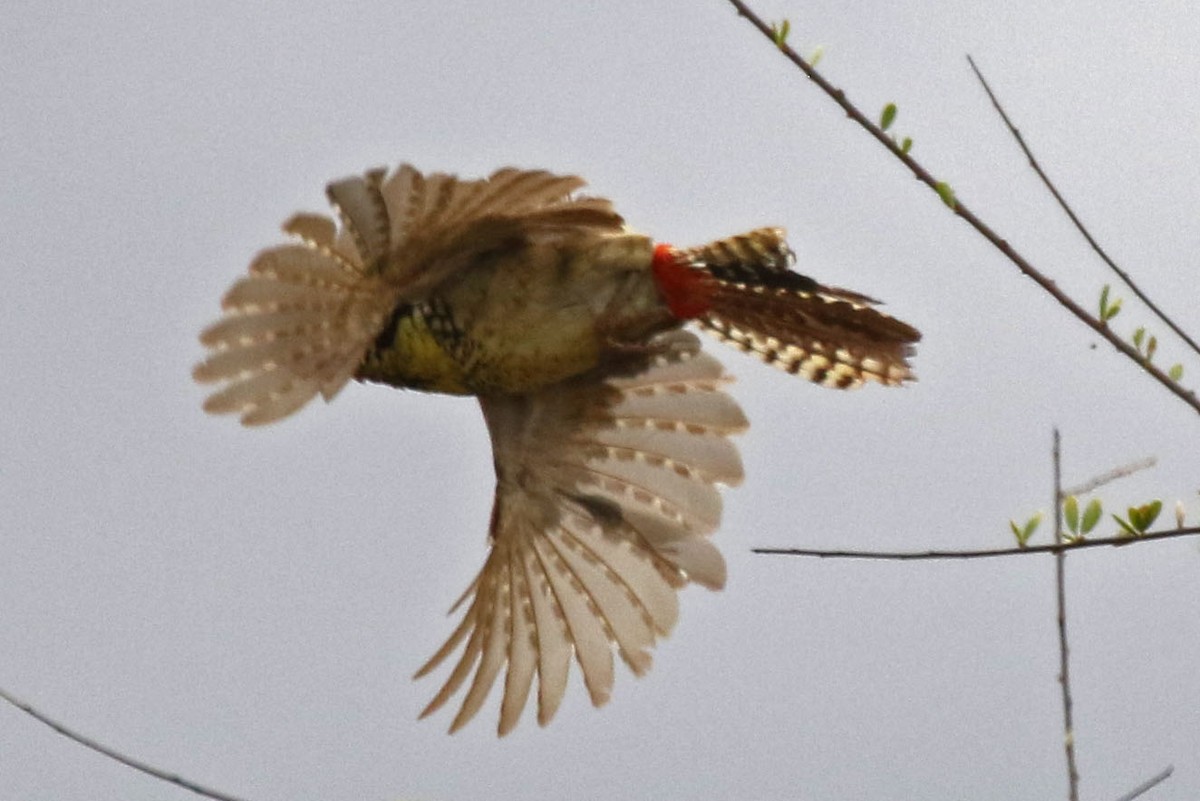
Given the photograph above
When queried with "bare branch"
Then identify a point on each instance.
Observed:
(1064, 662)
(1033, 162)
(113, 754)
(1149, 784)
(1112, 475)
(959, 208)
(913, 556)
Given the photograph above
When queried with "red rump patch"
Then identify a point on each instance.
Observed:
(687, 290)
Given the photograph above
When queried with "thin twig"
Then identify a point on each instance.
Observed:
(1064, 664)
(113, 754)
(1149, 784)
(959, 208)
(1111, 475)
(913, 556)
(1033, 162)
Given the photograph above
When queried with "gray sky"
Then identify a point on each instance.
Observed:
(247, 607)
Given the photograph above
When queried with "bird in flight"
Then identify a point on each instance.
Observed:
(610, 428)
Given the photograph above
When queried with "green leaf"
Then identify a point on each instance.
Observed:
(1031, 526)
(1091, 515)
(1108, 310)
(816, 56)
(1135, 519)
(1127, 530)
(906, 145)
(1147, 514)
(1151, 347)
(1141, 518)
(1023, 533)
(946, 194)
(888, 116)
(780, 32)
(1071, 513)
(1176, 372)
(1138, 336)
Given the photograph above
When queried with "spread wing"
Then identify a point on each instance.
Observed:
(605, 498)
(300, 323)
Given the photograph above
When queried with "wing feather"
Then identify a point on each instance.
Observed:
(511, 191)
(315, 230)
(697, 405)
(469, 630)
(300, 323)
(626, 623)
(685, 452)
(493, 649)
(630, 483)
(440, 224)
(461, 631)
(588, 637)
(359, 202)
(295, 327)
(553, 640)
(600, 518)
(522, 645)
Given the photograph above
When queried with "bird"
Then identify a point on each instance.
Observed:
(610, 427)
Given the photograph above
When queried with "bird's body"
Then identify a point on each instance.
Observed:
(520, 319)
(610, 429)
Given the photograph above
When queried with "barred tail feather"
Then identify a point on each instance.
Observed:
(750, 298)
(830, 340)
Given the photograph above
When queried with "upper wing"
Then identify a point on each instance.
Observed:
(440, 225)
(605, 497)
(300, 323)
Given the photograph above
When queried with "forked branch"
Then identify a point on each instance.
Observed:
(959, 208)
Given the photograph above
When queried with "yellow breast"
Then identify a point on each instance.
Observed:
(409, 354)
